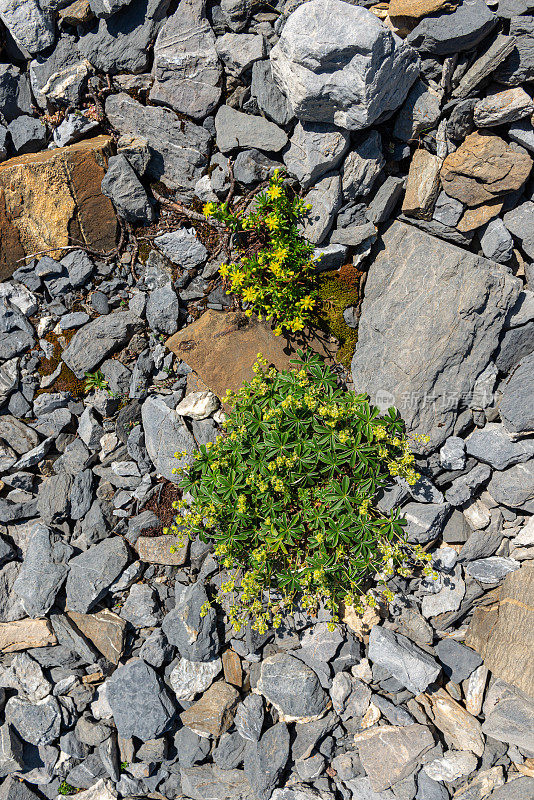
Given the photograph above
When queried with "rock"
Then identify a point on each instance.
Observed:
(452, 454)
(37, 723)
(425, 522)
(187, 70)
(522, 133)
(502, 108)
(194, 635)
(369, 71)
(314, 149)
(11, 751)
(494, 445)
(122, 44)
(28, 135)
(383, 203)
(81, 212)
(483, 168)
(74, 127)
(517, 413)
(105, 630)
(292, 688)
(31, 28)
(266, 759)
(389, 754)
(491, 570)
(209, 782)
(519, 221)
(458, 662)
(198, 405)
(141, 607)
(251, 166)
(126, 191)
(420, 8)
(422, 185)
(454, 764)
(189, 678)
(496, 242)
(92, 573)
(512, 720)
(460, 729)
(15, 93)
(447, 210)
(498, 631)
(163, 310)
(213, 714)
(425, 340)
(239, 51)
(495, 54)
(141, 705)
(362, 166)
(98, 339)
(514, 789)
(448, 598)
(165, 434)
(519, 66)
(157, 550)
(182, 247)
(230, 751)
(237, 130)
(325, 200)
(249, 717)
(514, 486)
(17, 434)
(419, 113)
(464, 29)
(410, 665)
(271, 101)
(463, 487)
(25, 635)
(179, 148)
(44, 570)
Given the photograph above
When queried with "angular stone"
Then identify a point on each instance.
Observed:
(448, 598)
(325, 199)
(389, 754)
(362, 166)
(11, 751)
(503, 108)
(420, 112)
(31, 28)
(43, 572)
(292, 688)
(496, 242)
(193, 633)
(126, 191)
(106, 630)
(517, 407)
(519, 66)
(25, 634)
(458, 661)
(237, 130)
(52, 198)
(269, 98)
(249, 717)
(341, 65)
(460, 729)
(519, 222)
(179, 148)
(419, 8)
(435, 364)
(266, 759)
(494, 445)
(515, 789)
(503, 631)
(464, 29)
(239, 51)
(422, 185)
(425, 521)
(383, 203)
(514, 486)
(98, 339)
(512, 720)
(187, 70)
(189, 678)
(165, 434)
(182, 247)
(410, 665)
(454, 764)
(315, 148)
(210, 782)
(92, 573)
(498, 50)
(140, 703)
(213, 714)
(166, 549)
(491, 570)
(483, 168)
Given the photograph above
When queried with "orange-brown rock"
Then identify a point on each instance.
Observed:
(483, 168)
(52, 199)
(474, 218)
(222, 348)
(25, 634)
(417, 9)
(105, 630)
(233, 673)
(422, 185)
(157, 549)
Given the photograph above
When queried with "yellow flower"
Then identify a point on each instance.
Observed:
(250, 294)
(208, 209)
(274, 192)
(278, 330)
(272, 222)
(224, 269)
(297, 324)
(307, 302)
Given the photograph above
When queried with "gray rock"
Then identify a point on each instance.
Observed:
(466, 27)
(53, 499)
(494, 445)
(383, 203)
(179, 148)
(271, 101)
(239, 51)
(515, 344)
(89, 429)
(191, 747)
(189, 678)
(249, 717)
(512, 720)
(126, 191)
(92, 573)
(519, 66)
(420, 112)
(325, 200)
(491, 570)
(43, 572)
(502, 108)
(237, 130)
(315, 148)
(522, 132)
(98, 339)
(266, 759)
(457, 660)
(141, 606)
(452, 454)
(122, 42)
(292, 688)
(434, 364)
(410, 665)
(60, 75)
(165, 434)
(194, 635)
(15, 94)
(79, 267)
(496, 241)
(428, 789)
(74, 320)
(520, 221)
(17, 434)
(480, 544)
(515, 789)
(163, 310)
(425, 521)
(447, 210)
(362, 166)
(447, 598)
(251, 166)
(31, 28)
(369, 72)
(514, 486)
(105, 8)
(389, 754)
(182, 247)
(74, 127)
(37, 723)
(230, 751)
(517, 407)
(11, 751)
(141, 705)
(27, 134)
(463, 488)
(156, 650)
(187, 70)
(523, 311)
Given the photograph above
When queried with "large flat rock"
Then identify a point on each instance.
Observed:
(430, 322)
(51, 199)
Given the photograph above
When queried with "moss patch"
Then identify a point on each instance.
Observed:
(66, 380)
(337, 291)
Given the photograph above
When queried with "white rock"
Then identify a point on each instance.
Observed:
(101, 790)
(198, 405)
(454, 764)
(189, 678)
(477, 515)
(21, 297)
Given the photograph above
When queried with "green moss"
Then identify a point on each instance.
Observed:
(66, 380)
(337, 291)
(145, 248)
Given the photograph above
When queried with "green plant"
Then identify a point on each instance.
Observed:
(65, 788)
(274, 275)
(124, 766)
(95, 380)
(288, 496)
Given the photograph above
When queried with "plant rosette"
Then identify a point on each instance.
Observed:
(288, 496)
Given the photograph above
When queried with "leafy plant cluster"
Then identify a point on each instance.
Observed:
(274, 274)
(288, 494)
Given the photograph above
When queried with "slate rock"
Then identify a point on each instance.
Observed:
(165, 434)
(425, 521)
(209, 781)
(266, 759)
(493, 445)
(238, 52)
(126, 191)
(491, 570)
(230, 751)
(516, 406)
(514, 487)
(182, 247)
(369, 71)
(419, 113)
(496, 241)
(28, 134)
(362, 166)
(292, 688)
(31, 28)
(98, 339)
(15, 93)
(410, 665)
(389, 754)
(141, 705)
(163, 310)
(519, 65)
(515, 344)
(271, 101)
(213, 713)
(325, 200)
(251, 166)
(512, 720)
(92, 573)
(249, 717)
(457, 661)
(237, 130)
(37, 723)
(471, 22)
(438, 365)
(519, 221)
(314, 149)
(191, 747)
(189, 678)
(43, 572)
(515, 789)
(194, 635)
